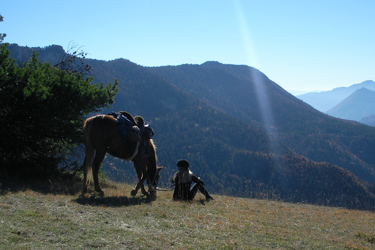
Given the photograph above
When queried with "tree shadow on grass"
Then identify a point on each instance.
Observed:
(67, 185)
(113, 201)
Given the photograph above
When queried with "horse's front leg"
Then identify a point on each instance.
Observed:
(140, 185)
(143, 190)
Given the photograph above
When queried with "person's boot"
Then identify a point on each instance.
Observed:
(205, 193)
(209, 198)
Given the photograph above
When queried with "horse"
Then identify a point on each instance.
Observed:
(101, 136)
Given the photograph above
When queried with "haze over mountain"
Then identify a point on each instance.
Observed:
(355, 107)
(368, 120)
(243, 134)
(325, 100)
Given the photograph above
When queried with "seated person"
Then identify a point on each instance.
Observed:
(183, 179)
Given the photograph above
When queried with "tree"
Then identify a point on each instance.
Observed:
(74, 61)
(2, 36)
(42, 110)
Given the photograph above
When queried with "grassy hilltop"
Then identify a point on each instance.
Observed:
(51, 218)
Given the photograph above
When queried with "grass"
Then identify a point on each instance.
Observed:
(58, 218)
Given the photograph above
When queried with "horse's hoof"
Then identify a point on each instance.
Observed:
(133, 193)
(146, 194)
(100, 193)
(152, 192)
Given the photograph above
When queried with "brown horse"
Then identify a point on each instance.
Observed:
(101, 134)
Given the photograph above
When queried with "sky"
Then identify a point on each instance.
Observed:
(304, 45)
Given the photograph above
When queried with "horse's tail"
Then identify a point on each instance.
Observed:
(89, 152)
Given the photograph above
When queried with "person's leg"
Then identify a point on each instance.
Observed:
(204, 191)
(193, 191)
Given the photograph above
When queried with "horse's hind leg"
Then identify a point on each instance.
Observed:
(87, 167)
(89, 152)
(85, 180)
(99, 156)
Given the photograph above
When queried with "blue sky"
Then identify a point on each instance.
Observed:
(301, 45)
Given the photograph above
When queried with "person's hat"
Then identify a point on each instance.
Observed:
(183, 163)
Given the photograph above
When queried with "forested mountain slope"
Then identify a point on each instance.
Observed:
(247, 94)
(254, 157)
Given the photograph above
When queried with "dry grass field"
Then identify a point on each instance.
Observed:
(46, 219)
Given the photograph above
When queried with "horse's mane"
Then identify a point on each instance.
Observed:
(154, 148)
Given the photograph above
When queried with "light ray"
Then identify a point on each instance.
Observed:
(260, 88)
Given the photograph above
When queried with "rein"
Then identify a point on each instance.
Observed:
(167, 189)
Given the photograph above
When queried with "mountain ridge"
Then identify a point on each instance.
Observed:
(295, 123)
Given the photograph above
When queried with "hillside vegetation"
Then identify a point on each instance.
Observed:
(246, 94)
(45, 217)
(218, 117)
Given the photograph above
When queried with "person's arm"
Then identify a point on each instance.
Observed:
(196, 179)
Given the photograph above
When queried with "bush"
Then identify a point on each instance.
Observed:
(42, 109)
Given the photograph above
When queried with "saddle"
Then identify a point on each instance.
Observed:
(127, 126)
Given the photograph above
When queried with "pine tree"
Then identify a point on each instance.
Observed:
(42, 110)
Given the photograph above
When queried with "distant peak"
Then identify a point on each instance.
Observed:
(119, 60)
(363, 90)
(211, 63)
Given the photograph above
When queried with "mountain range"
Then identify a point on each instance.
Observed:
(354, 103)
(242, 133)
(326, 100)
(359, 105)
